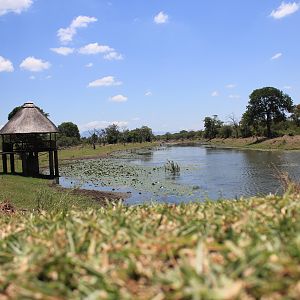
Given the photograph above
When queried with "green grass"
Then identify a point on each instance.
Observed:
(31, 193)
(247, 249)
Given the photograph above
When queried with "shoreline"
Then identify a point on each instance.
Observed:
(285, 143)
(101, 197)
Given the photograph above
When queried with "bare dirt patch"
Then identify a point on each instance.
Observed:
(99, 196)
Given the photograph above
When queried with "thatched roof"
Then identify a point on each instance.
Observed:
(29, 119)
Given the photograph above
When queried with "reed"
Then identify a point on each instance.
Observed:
(172, 167)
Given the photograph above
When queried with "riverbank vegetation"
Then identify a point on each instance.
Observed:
(113, 134)
(246, 249)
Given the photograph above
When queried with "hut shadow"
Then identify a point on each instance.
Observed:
(39, 176)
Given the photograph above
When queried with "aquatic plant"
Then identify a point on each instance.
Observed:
(172, 167)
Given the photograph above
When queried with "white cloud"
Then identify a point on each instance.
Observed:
(34, 65)
(105, 81)
(63, 50)
(95, 48)
(48, 77)
(234, 96)
(161, 18)
(32, 77)
(66, 35)
(284, 10)
(215, 94)
(276, 56)
(16, 6)
(89, 65)
(101, 124)
(113, 56)
(231, 86)
(6, 65)
(82, 21)
(148, 94)
(119, 98)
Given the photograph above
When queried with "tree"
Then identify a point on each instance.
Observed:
(102, 137)
(124, 135)
(112, 134)
(93, 139)
(296, 115)
(146, 134)
(16, 109)
(245, 126)
(235, 124)
(211, 126)
(268, 105)
(225, 131)
(69, 129)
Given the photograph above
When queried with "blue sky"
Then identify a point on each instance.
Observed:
(162, 63)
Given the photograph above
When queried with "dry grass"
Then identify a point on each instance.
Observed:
(280, 143)
(247, 249)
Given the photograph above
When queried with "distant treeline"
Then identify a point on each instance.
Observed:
(69, 135)
(180, 136)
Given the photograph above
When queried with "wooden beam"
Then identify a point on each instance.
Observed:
(36, 164)
(56, 163)
(4, 163)
(51, 167)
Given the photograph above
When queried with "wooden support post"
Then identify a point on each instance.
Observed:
(36, 164)
(51, 163)
(56, 163)
(30, 164)
(4, 162)
(12, 163)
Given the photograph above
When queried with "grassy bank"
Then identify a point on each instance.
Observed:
(87, 151)
(31, 194)
(280, 143)
(246, 249)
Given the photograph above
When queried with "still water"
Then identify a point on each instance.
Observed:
(213, 173)
(227, 173)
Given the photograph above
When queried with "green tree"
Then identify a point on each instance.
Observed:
(296, 115)
(146, 134)
(102, 137)
(226, 131)
(112, 134)
(69, 129)
(93, 139)
(268, 106)
(211, 126)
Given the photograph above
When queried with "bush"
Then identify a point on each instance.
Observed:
(65, 141)
(225, 132)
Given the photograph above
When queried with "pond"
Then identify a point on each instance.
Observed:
(212, 173)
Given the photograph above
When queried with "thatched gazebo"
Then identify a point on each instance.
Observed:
(27, 134)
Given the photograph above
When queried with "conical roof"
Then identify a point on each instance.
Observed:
(29, 119)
